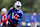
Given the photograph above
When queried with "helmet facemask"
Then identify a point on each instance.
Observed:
(17, 7)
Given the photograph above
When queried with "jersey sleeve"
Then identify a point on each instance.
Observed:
(8, 12)
(21, 15)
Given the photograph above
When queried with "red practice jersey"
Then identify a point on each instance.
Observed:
(3, 18)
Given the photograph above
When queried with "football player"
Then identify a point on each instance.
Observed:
(15, 14)
(3, 14)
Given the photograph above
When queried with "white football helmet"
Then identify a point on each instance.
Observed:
(17, 5)
(4, 10)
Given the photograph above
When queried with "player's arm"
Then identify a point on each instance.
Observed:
(19, 18)
(32, 19)
(21, 15)
(8, 13)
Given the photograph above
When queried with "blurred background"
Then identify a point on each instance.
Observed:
(28, 7)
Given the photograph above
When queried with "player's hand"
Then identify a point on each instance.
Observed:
(32, 23)
(6, 22)
(16, 16)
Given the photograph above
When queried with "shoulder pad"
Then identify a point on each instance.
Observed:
(11, 8)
